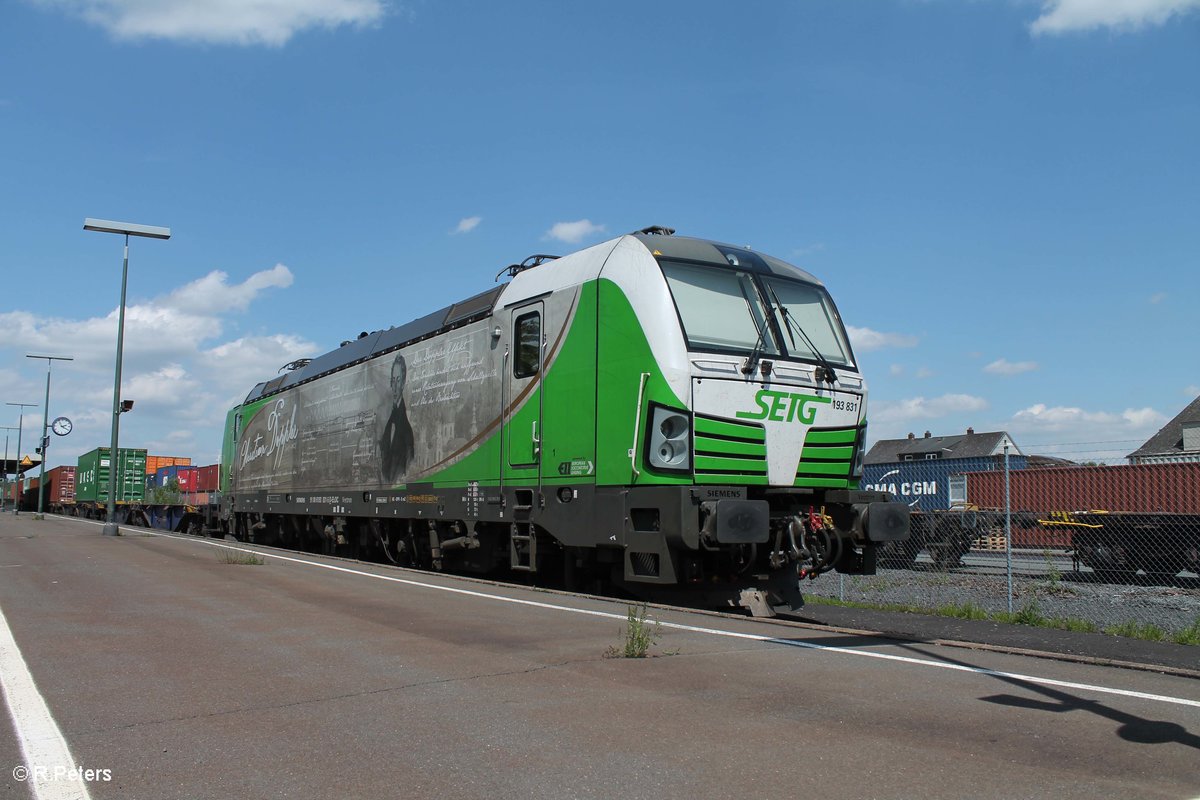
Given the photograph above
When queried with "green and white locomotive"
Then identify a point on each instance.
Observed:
(653, 412)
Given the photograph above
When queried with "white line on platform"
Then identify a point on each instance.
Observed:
(1182, 701)
(50, 769)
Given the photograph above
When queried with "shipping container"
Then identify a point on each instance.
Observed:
(187, 477)
(1173, 488)
(184, 476)
(155, 463)
(208, 479)
(94, 469)
(932, 484)
(60, 486)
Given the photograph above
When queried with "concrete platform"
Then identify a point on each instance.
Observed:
(188, 677)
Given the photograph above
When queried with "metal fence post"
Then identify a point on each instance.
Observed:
(1008, 527)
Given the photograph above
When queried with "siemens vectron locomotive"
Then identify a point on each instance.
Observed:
(653, 411)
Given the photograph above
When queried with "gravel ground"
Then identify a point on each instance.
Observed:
(1079, 596)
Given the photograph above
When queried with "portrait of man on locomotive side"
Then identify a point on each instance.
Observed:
(396, 444)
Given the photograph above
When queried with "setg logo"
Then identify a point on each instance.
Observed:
(784, 407)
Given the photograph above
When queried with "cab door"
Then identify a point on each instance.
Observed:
(523, 384)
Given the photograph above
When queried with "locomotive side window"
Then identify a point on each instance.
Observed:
(527, 336)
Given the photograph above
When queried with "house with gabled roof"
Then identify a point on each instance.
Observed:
(1175, 442)
(930, 447)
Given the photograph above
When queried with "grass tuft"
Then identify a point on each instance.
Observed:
(239, 557)
(1138, 630)
(1189, 635)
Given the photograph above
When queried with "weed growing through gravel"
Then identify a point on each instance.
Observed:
(239, 557)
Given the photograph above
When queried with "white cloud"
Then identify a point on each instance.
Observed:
(235, 367)
(468, 224)
(176, 367)
(157, 331)
(1157, 298)
(922, 408)
(925, 372)
(1082, 435)
(1064, 16)
(1003, 366)
(242, 22)
(573, 232)
(1066, 418)
(212, 294)
(896, 370)
(865, 340)
(1191, 391)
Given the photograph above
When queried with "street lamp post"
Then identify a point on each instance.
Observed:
(41, 507)
(6, 483)
(20, 420)
(127, 229)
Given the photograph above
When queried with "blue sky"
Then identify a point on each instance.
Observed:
(1003, 196)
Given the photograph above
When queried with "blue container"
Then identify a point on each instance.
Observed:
(925, 484)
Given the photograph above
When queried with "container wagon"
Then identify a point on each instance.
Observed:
(59, 495)
(1116, 519)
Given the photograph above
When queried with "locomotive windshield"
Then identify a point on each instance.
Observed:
(721, 309)
(810, 322)
(731, 310)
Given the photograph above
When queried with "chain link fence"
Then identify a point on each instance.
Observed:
(1105, 547)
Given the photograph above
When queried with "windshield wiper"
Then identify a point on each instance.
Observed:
(752, 360)
(825, 371)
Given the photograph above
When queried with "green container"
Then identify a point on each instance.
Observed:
(94, 469)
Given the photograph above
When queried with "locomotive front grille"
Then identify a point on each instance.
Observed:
(827, 457)
(729, 451)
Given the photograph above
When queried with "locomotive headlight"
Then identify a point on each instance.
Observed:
(670, 440)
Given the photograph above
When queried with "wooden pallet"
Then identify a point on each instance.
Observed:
(992, 543)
